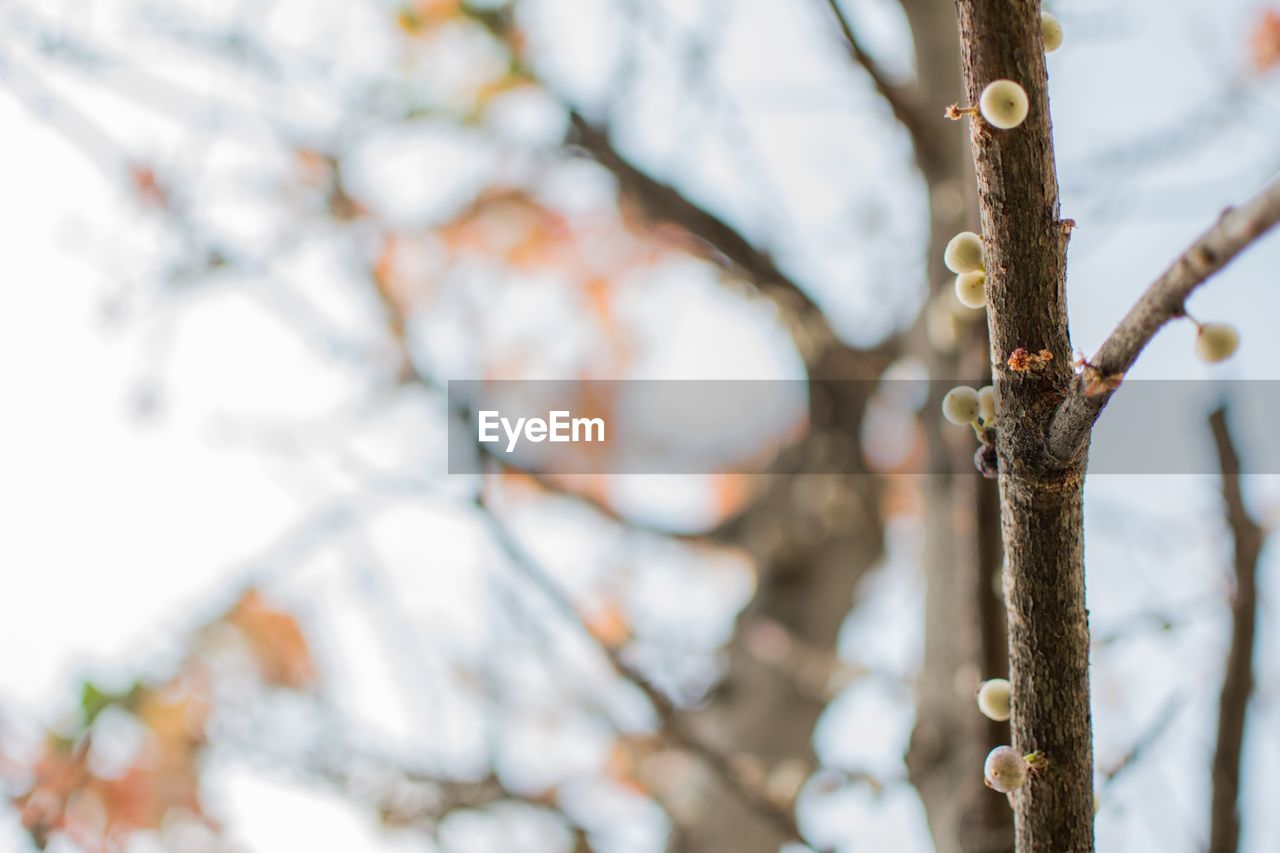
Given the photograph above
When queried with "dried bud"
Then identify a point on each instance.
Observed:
(964, 253)
(1216, 342)
(987, 461)
(1004, 104)
(993, 699)
(1005, 770)
(971, 289)
(961, 406)
(1022, 361)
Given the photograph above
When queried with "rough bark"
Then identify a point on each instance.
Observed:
(1041, 498)
(1247, 537)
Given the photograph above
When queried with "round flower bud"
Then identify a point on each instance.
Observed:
(993, 699)
(1005, 770)
(1051, 29)
(1003, 104)
(1216, 342)
(971, 289)
(964, 253)
(960, 406)
(987, 403)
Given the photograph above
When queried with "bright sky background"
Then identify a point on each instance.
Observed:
(122, 529)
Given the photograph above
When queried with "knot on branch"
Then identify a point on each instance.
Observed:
(1094, 381)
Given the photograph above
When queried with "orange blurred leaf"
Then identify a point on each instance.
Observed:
(422, 16)
(1265, 42)
(276, 640)
(146, 184)
(608, 624)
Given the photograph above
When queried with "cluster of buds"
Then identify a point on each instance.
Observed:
(977, 408)
(1006, 769)
(964, 257)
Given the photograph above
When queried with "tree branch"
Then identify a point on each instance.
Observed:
(1146, 741)
(1164, 300)
(671, 722)
(901, 99)
(661, 202)
(1247, 536)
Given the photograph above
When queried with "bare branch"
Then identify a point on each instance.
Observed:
(1146, 740)
(901, 99)
(1247, 537)
(661, 202)
(1163, 301)
(672, 723)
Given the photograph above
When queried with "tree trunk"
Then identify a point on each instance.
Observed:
(1041, 498)
(965, 638)
(810, 561)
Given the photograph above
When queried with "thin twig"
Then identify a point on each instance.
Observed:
(1247, 538)
(1163, 301)
(901, 99)
(662, 202)
(1145, 741)
(672, 723)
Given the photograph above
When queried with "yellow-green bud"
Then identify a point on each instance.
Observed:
(971, 289)
(1216, 342)
(987, 403)
(993, 699)
(964, 253)
(961, 406)
(1051, 30)
(1004, 104)
(1005, 770)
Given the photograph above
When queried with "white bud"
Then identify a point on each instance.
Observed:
(1005, 770)
(1004, 104)
(987, 404)
(960, 406)
(971, 289)
(964, 253)
(993, 698)
(1216, 342)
